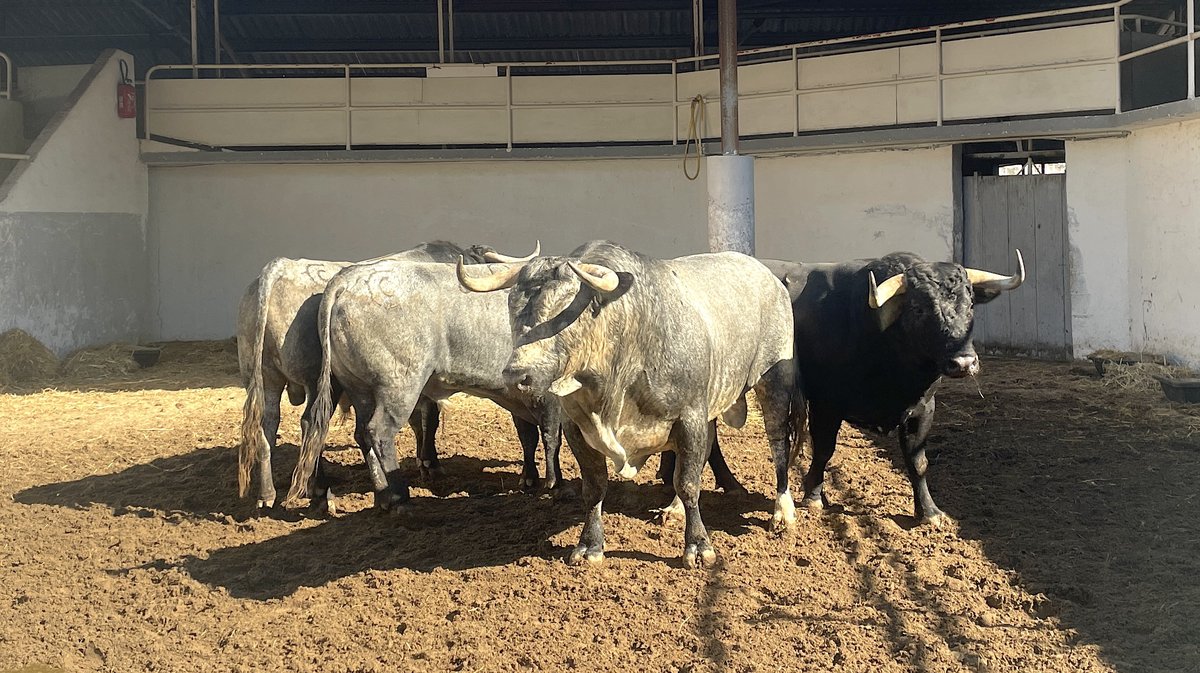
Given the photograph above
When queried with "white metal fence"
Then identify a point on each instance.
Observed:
(1051, 62)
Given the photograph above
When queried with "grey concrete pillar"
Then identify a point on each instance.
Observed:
(730, 203)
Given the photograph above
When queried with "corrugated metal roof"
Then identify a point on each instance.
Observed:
(37, 32)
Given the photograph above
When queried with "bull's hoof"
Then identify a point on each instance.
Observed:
(785, 512)
(700, 554)
(733, 488)
(432, 470)
(564, 491)
(530, 484)
(323, 505)
(814, 502)
(936, 519)
(265, 505)
(390, 501)
(582, 554)
(673, 511)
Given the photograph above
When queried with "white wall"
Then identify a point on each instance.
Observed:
(43, 90)
(212, 228)
(832, 207)
(1134, 208)
(1098, 236)
(1163, 205)
(72, 225)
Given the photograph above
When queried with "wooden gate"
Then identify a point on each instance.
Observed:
(1027, 212)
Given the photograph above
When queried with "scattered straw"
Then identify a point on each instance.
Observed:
(105, 361)
(23, 359)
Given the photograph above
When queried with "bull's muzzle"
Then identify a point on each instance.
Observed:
(518, 377)
(960, 365)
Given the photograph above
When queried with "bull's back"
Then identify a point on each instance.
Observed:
(746, 314)
(397, 319)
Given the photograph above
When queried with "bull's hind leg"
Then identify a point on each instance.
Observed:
(528, 434)
(823, 425)
(424, 421)
(272, 395)
(593, 468)
(784, 415)
(692, 444)
(913, 433)
(393, 407)
(322, 498)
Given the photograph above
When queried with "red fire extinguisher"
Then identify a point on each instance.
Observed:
(126, 95)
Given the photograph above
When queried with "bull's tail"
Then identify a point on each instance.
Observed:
(313, 442)
(798, 420)
(253, 440)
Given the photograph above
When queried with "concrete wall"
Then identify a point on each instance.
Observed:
(44, 89)
(72, 224)
(1134, 208)
(1163, 206)
(212, 228)
(1061, 69)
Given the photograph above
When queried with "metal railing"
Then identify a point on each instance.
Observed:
(6, 87)
(938, 35)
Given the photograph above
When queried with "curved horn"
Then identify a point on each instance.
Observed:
(601, 278)
(499, 276)
(880, 294)
(986, 280)
(497, 257)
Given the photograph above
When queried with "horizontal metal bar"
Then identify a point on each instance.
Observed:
(1182, 39)
(18, 157)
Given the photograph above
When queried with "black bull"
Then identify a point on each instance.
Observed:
(871, 353)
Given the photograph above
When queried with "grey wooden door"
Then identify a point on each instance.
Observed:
(1027, 212)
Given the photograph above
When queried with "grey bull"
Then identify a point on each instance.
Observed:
(392, 332)
(644, 355)
(278, 350)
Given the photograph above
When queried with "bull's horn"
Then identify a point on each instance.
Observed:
(497, 257)
(880, 294)
(986, 280)
(498, 276)
(601, 278)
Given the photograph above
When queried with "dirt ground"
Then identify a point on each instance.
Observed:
(123, 546)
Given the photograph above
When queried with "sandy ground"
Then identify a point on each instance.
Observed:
(123, 546)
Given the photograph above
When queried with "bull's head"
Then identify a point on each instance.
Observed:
(548, 295)
(932, 307)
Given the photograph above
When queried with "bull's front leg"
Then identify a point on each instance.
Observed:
(528, 434)
(551, 430)
(593, 469)
(692, 445)
(914, 431)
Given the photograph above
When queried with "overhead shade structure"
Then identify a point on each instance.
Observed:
(730, 175)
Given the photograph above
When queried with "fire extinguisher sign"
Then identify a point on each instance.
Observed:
(126, 94)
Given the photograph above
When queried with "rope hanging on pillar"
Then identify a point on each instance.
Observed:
(693, 135)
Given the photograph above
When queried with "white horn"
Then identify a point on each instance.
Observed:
(497, 257)
(497, 277)
(601, 278)
(880, 294)
(986, 280)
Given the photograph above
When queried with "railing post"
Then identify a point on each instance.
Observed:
(941, 102)
(1117, 55)
(441, 34)
(217, 34)
(349, 110)
(195, 45)
(795, 91)
(674, 102)
(1191, 48)
(508, 105)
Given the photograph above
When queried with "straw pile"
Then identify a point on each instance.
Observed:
(1136, 371)
(105, 361)
(24, 360)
